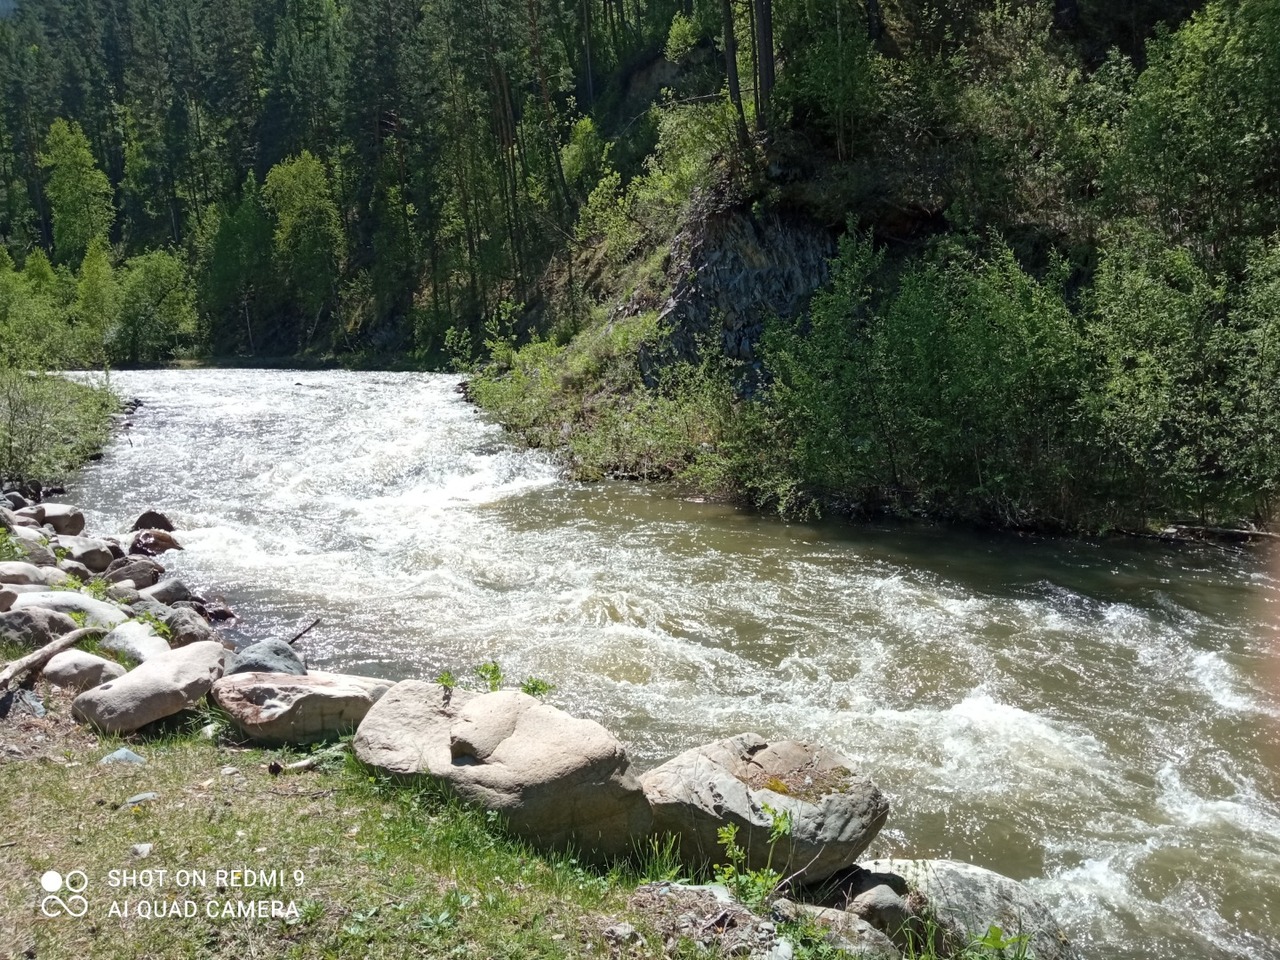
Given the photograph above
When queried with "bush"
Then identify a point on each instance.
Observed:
(49, 425)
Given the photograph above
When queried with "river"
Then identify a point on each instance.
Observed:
(1100, 720)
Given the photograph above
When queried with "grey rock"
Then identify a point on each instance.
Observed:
(280, 708)
(98, 613)
(94, 554)
(78, 670)
(74, 569)
(139, 800)
(269, 656)
(16, 500)
(143, 572)
(124, 593)
(152, 543)
(162, 686)
(123, 755)
(63, 518)
(167, 591)
(34, 626)
(558, 781)
(38, 553)
(852, 934)
(10, 592)
(16, 572)
(835, 812)
(153, 520)
(141, 850)
(970, 899)
(187, 626)
(136, 640)
(406, 733)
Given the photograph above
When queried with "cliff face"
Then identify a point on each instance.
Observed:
(728, 271)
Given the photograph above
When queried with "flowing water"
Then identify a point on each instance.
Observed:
(1101, 721)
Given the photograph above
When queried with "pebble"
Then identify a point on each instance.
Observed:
(138, 799)
(123, 755)
(141, 850)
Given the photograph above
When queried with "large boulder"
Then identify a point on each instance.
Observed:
(279, 708)
(268, 656)
(34, 626)
(967, 900)
(558, 781)
(166, 591)
(835, 812)
(186, 626)
(159, 688)
(78, 670)
(97, 613)
(136, 640)
(96, 555)
(9, 593)
(406, 733)
(18, 573)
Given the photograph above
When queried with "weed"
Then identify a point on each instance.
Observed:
(9, 547)
(491, 673)
(753, 887)
(446, 679)
(162, 629)
(536, 687)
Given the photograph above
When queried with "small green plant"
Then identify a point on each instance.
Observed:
(491, 673)
(661, 862)
(96, 588)
(9, 549)
(79, 618)
(446, 679)
(536, 687)
(162, 629)
(71, 585)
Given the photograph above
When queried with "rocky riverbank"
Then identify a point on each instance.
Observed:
(780, 824)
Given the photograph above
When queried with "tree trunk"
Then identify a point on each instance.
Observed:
(731, 69)
(764, 50)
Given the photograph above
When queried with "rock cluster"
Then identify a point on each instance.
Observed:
(558, 781)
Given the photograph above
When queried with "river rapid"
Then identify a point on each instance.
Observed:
(1099, 720)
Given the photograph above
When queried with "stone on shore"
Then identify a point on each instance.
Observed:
(835, 813)
(406, 733)
(268, 656)
(98, 613)
(969, 899)
(96, 555)
(151, 543)
(278, 708)
(22, 574)
(78, 670)
(167, 591)
(141, 571)
(73, 569)
(159, 688)
(63, 518)
(136, 640)
(34, 626)
(557, 780)
(186, 626)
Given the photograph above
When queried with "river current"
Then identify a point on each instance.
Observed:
(1099, 720)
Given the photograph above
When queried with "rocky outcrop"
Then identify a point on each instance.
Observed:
(406, 733)
(159, 688)
(834, 812)
(278, 708)
(557, 780)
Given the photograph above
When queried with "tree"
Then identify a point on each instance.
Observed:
(79, 193)
(307, 238)
(157, 309)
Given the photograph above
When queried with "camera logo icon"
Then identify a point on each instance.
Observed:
(74, 883)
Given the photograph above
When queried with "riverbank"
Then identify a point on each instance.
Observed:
(437, 776)
(49, 425)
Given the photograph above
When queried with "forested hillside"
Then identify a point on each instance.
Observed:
(1055, 301)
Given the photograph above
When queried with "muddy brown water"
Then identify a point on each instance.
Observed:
(1099, 720)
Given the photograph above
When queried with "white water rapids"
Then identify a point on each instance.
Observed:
(1101, 721)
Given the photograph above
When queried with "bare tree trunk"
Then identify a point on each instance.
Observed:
(15, 674)
(731, 69)
(764, 50)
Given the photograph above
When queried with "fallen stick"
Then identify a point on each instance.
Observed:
(303, 633)
(16, 672)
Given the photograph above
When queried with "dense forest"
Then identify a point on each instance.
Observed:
(1053, 297)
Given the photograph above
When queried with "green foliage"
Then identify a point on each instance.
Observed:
(157, 312)
(753, 887)
(491, 674)
(49, 425)
(446, 679)
(681, 38)
(9, 548)
(162, 629)
(80, 195)
(536, 687)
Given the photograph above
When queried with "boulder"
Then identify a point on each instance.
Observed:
(406, 733)
(124, 592)
(186, 626)
(269, 656)
(141, 571)
(852, 934)
(136, 640)
(151, 543)
(73, 569)
(94, 554)
(34, 626)
(62, 517)
(98, 613)
(969, 899)
(835, 812)
(78, 670)
(168, 591)
(164, 685)
(17, 572)
(557, 781)
(9, 592)
(38, 552)
(153, 520)
(278, 708)
(16, 500)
